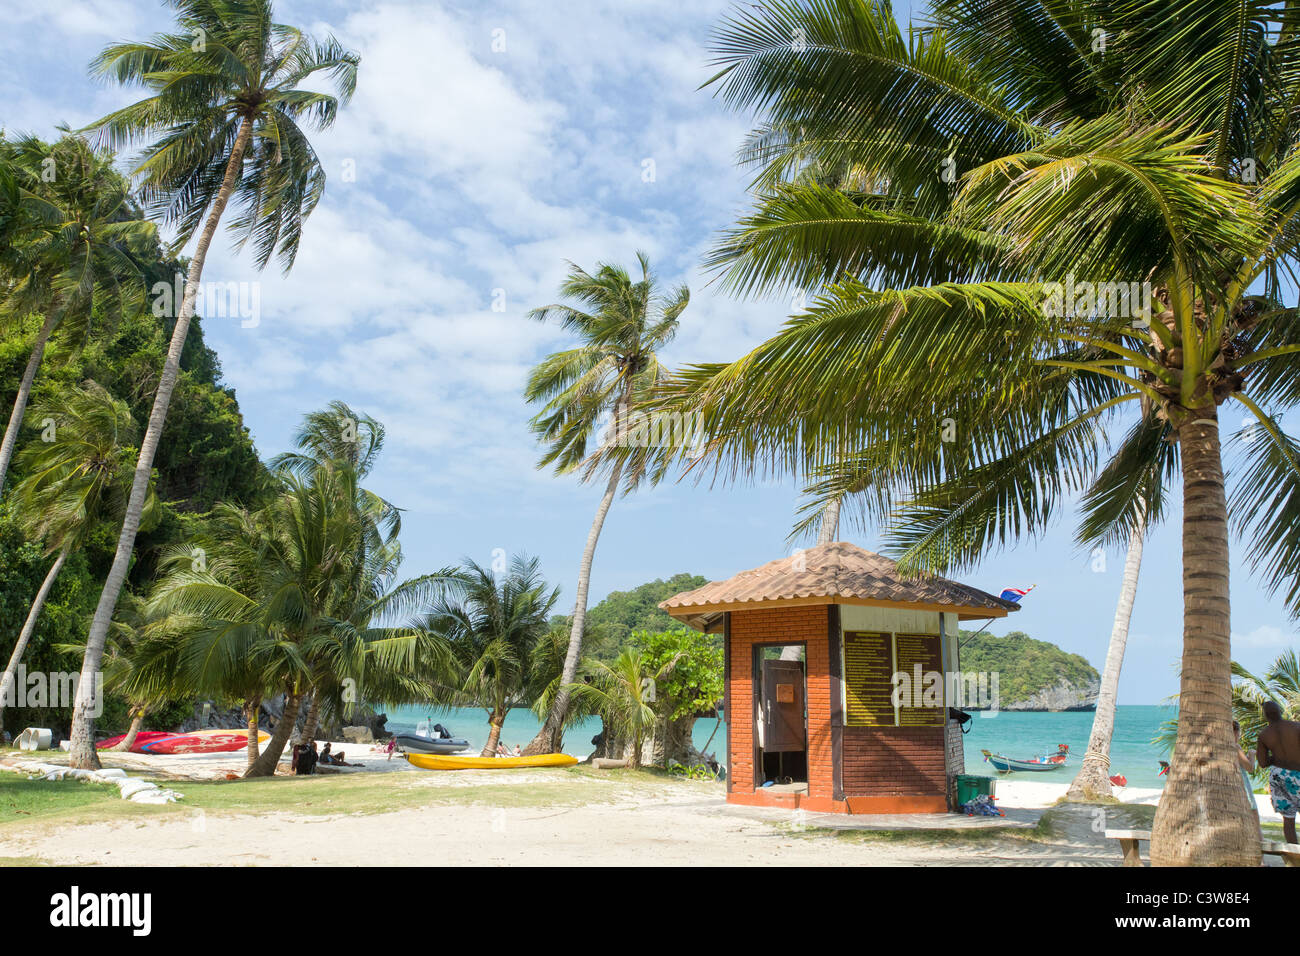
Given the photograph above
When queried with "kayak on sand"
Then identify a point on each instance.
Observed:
(203, 742)
(142, 738)
(439, 762)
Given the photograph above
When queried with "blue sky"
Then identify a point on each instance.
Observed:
(491, 142)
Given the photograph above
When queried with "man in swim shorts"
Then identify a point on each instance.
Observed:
(1279, 750)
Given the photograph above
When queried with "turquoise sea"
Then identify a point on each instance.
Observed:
(1014, 734)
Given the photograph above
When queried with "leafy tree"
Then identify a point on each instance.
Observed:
(692, 666)
(76, 478)
(222, 124)
(76, 253)
(691, 685)
(622, 324)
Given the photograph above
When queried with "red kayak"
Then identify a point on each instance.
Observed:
(202, 742)
(142, 738)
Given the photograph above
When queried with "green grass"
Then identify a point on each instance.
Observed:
(23, 800)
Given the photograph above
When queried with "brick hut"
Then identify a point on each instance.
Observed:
(812, 645)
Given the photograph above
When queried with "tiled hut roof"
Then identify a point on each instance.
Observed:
(839, 572)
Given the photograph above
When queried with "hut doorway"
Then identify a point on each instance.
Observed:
(781, 718)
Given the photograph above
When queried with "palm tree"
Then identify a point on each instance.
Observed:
(621, 693)
(1092, 782)
(223, 123)
(73, 252)
(492, 629)
(994, 159)
(231, 547)
(276, 605)
(622, 325)
(332, 437)
(75, 480)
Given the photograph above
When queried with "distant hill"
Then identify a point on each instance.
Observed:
(1032, 674)
(621, 613)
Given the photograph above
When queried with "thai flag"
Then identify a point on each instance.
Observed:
(1015, 594)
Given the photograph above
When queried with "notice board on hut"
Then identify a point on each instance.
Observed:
(871, 659)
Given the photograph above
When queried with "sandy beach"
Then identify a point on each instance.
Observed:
(397, 815)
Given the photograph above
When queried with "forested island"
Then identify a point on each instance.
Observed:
(1033, 674)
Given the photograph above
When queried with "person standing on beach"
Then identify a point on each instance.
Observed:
(1279, 749)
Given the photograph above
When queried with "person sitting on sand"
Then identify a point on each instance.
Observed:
(519, 751)
(1279, 750)
(501, 750)
(307, 759)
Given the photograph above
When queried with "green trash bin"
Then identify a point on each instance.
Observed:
(970, 786)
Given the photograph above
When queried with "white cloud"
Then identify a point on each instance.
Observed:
(1264, 636)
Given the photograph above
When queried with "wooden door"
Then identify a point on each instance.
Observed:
(783, 707)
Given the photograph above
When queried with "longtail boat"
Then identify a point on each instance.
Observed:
(1042, 764)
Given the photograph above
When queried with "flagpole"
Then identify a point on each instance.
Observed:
(992, 619)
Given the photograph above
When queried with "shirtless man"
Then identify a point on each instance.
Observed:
(1279, 749)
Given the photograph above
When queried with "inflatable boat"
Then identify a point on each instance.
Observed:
(430, 738)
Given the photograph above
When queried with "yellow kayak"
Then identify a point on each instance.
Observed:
(440, 762)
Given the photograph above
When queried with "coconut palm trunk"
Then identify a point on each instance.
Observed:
(313, 719)
(1093, 779)
(251, 708)
(83, 749)
(551, 737)
(269, 759)
(24, 392)
(830, 525)
(137, 721)
(1203, 817)
(29, 626)
(495, 721)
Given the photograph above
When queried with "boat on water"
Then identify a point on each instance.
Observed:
(1041, 764)
(438, 762)
(430, 738)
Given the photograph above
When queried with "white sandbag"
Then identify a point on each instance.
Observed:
(130, 787)
(155, 796)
